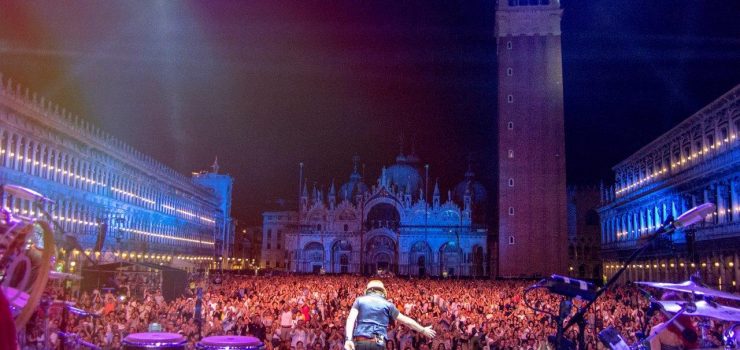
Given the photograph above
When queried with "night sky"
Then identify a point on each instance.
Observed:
(264, 85)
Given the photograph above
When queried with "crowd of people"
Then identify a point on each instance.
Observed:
(309, 312)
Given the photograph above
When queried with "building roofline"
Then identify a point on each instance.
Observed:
(660, 139)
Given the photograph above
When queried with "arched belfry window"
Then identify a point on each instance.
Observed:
(383, 215)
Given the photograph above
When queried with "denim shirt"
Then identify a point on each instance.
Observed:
(374, 315)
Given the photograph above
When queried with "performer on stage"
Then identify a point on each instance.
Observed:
(372, 313)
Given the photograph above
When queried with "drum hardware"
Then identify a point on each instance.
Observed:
(154, 340)
(15, 230)
(704, 326)
(230, 342)
(691, 287)
(690, 217)
(45, 304)
(76, 341)
(686, 307)
(55, 275)
(80, 312)
(611, 338)
(18, 299)
(25, 266)
(705, 309)
(729, 336)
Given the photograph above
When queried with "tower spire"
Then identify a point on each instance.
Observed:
(332, 195)
(435, 196)
(215, 166)
(304, 195)
(355, 164)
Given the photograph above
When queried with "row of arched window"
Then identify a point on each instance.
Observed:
(34, 158)
(633, 224)
(680, 152)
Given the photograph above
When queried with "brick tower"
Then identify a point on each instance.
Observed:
(532, 221)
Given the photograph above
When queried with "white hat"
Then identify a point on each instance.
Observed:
(375, 284)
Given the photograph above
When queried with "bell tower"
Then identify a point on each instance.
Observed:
(531, 208)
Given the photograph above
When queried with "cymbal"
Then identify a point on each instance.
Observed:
(691, 287)
(54, 275)
(17, 298)
(705, 309)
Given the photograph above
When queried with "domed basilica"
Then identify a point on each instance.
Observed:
(390, 225)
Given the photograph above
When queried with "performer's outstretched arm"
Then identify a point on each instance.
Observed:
(427, 331)
(349, 329)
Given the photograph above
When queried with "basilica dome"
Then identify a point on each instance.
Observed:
(478, 192)
(352, 188)
(405, 177)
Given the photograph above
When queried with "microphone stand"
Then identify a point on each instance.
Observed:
(45, 303)
(78, 340)
(63, 335)
(565, 306)
(198, 312)
(642, 334)
(63, 325)
(579, 318)
(64, 237)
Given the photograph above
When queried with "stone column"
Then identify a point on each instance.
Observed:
(34, 163)
(721, 204)
(603, 230)
(706, 199)
(15, 150)
(723, 275)
(44, 159)
(735, 204)
(24, 152)
(635, 226)
(58, 167)
(736, 269)
(3, 147)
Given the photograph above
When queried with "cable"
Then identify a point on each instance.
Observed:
(526, 302)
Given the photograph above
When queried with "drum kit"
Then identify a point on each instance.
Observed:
(702, 304)
(175, 341)
(27, 252)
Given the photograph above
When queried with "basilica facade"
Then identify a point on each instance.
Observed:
(389, 226)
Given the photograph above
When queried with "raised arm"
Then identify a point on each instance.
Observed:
(349, 329)
(408, 321)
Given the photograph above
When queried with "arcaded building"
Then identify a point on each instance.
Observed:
(584, 232)
(389, 225)
(531, 188)
(696, 162)
(119, 203)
